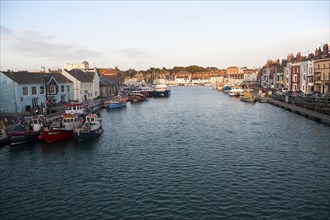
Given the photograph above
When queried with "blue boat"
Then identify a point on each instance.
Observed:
(162, 90)
(91, 128)
(226, 88)
(117, 102)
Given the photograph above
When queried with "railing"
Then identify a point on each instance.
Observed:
(319, 104)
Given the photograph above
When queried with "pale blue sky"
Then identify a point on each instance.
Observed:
(144, 34)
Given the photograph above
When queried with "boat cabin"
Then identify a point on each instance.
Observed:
(91, 118)
(73, 108)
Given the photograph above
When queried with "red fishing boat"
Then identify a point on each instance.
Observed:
(62, 130)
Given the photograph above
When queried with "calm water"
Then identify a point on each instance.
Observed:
(199, 154)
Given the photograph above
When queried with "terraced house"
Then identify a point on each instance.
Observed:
(301, 73)
(322, 71)
(25, 91)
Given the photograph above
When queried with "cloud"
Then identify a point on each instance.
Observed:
(37, 44)
(134, 53)
(6, 32)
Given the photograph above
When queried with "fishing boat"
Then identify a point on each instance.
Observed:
(136, 97)
(117, 102)
(161, 90)
(236, 91)
(147, 91)
(91, 128)
(61, 130)
(248, 97)
(74, 108)
(226, 88)
(28, 131)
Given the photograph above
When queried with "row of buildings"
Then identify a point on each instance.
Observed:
(299, 73)
(24, 91)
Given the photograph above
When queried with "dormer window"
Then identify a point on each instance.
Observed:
(52, 89)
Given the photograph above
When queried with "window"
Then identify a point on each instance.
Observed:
(34, 102)
(42, 90)
(62, 88)
(25, 90)
(34, 90)
(295, 79)
(52, 89)
(68, 88)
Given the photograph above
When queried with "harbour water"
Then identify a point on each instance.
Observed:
(198, 154)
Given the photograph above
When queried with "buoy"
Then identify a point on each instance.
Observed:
(40, 137)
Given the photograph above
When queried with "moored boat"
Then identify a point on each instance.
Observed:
(248, 97)
(73, 108)
(162, 90)
(117, 102)
(226, 88)
(236, 91)
(62, 130)
(21, 137)
(26, 132)
(136, 97)
(91, 128)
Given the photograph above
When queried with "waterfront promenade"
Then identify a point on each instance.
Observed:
(314, 115)
(324, 119)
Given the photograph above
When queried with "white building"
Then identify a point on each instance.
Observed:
(70, 66)
(250, 78)
(86, 83)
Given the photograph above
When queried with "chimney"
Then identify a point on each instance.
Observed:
(325, 49)
(290, 57)
(299, 59)
(310, 56)
(316, 52)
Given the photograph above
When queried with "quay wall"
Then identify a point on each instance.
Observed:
(317, 116)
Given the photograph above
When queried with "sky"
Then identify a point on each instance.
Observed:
(145, 34)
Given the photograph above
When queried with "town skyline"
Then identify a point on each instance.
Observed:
(145, 34)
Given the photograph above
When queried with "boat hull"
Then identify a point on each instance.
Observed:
(23, 137)
(248, 99)
(51, 136)
(166, 93)
(86, 135)
(116, 105)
